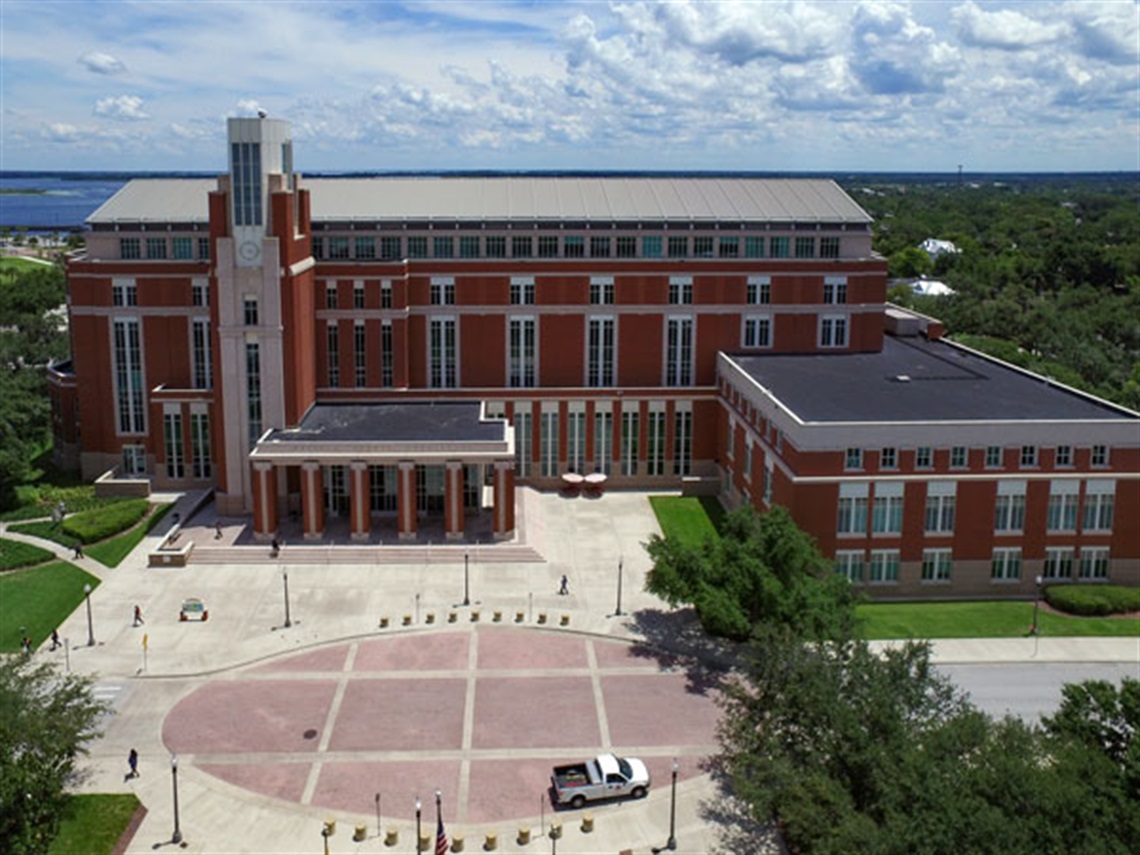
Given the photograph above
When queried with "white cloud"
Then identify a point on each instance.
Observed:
(122, 107)
(1004, 29)
(60, 132)
(1107, 31)
(102, 63)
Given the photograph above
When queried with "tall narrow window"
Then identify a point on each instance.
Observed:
(678, 351)
(386, 368)
(358, 295)
(655, 453)
(172, 429)
(200, 457)
(887, 513)
(332, 337)
(833, 331)
(442, 357)
(522, 349)
(757, 331)
(852, 513)
(548, 444)
(1099, 497)
(940, 507)
(386, 294)
(1064, 496)
(522, 291)
(682, 442)
(1009, 507)
(601, 291)
(758, 291)
(524, 426)
(600, 351)
(442, 291)
(359, 354)
(200, 353)
(246, 165)
(835, 290)
(576, 440)
(680, 290)
(129, 379)
(603, 440)
(250, 313)
(630, 438)
(253, 390)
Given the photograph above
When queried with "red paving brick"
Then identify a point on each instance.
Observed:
(512, 788)
(400, 715)
(502, 649)
(326, 659)
(658, 710)
(535, 712)
(284, 781)
(621, 654)
(431, 651)
(353, 787)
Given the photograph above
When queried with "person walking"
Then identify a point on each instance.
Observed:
(55, 639)
(78, 551)
(565, 589)
(133, 763)
(138, 616)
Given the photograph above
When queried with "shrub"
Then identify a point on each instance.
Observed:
(95, 525)
(1093, 599)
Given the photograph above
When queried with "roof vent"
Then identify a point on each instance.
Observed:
(902, 378)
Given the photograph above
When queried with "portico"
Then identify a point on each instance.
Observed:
(362, 461)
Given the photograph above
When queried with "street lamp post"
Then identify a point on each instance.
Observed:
(378, 832)
(1036, 603)
(419, 849)
(90, 625)
(177, 837)
(618, 612)
(285, 579)
(672, 843)
(466, 581)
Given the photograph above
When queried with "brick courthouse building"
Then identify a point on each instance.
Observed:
(398, 349)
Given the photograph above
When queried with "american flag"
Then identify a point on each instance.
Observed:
(440, 838)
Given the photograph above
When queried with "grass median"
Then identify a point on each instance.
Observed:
(93, 824)
(35, 601)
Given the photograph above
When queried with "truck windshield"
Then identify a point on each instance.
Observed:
(625, 768)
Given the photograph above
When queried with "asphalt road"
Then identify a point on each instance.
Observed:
(1029, 690)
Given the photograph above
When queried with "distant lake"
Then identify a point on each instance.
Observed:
(47, 202)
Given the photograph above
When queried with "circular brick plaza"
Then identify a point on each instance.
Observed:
(479, 713)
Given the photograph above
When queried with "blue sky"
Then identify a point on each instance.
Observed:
(693, 84)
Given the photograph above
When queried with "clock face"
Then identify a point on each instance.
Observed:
(250, 251)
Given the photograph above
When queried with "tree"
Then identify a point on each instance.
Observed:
(763, 571)
(46, 721)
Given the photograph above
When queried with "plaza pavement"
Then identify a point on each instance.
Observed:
(279, 729)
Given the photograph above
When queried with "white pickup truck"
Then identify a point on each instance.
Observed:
(604, 777)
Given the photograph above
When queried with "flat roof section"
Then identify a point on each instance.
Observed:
(917, 380)
(410, 422)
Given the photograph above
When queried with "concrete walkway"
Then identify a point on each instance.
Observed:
(279, 728)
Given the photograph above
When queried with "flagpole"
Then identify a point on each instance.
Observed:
(440, 837)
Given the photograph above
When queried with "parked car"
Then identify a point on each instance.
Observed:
(605, 777)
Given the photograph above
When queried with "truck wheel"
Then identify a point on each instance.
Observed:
(638, 792)
(578, 802)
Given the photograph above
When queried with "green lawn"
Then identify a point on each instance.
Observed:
(690, 519)
(15, 553)
(112, 551)
(93, 824)
(983, 619)
(33, 602)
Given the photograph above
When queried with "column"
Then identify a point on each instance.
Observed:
(406, 499)
(453, 501)
(264, 500)
(313, 499)
(360, 500)
(504, 491)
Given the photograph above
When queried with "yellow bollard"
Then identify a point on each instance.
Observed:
(524, 835)
(452, 617)
(392, 837)
(555, 829)
(498, 615)
(360, 833)
(565, 620)
(587, 823)
(491, 841)
(384, 622)
(425, 839)
(457, 843)
(542, 617)
(430, 617)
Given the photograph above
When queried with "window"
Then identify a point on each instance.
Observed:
(958, 457)
(805, 247)
(630, 441)
(599, 247)
(574, 246)
(200, 353)
(332, 337)
(390, 248)
(1099, 497)
(442, 291)
(548, 246)
(417, 247)
(172, 431)
(124, 292)
(940, 502)
(651, 246)
(758, 291)
(522, 246)
(936, 565)
(318, 246)
(600, 336)
(386, 368)
(757, 331)
(884, 569)
(835, 290)
(853, 459)
(1099, 456)
(443, 247)
(1064, 456)
(923, 457)
(521, 348)
(1063, 500)
(253, 390)
(766, 485)
(524, 425)
(548, 444)
(330, 296)
(703, 246)
(833, 331)
(678, 351)
(852, 516)
(729, 247)
(442, 354)
(250, 311)
(496, 246)
(601, 291)
(338, 247)
(204, 248)
(1094, 562)
(386, 294)
(754, 247)
(1058, 563)
(183, 247)
(748, 461)
(1009, 508)
(522, 291)
(576, 440)
(245, 164)
(1028, 456)
(359, 354)
(130, 382)
(655, 437)
(365, 247)
(829, 247)
(887, 511)
(889, 458)
(779, 247)
(200, 458)
(680, 290)
(469, 246)
(627, 246)
(993, 456)
(1006, 565)
(682, 441)
(678, 246)
(358, 295)
(603, 440)
(849, 564)
(134, 459)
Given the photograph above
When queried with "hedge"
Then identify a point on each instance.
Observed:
(95, 525)
(1093, 600)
